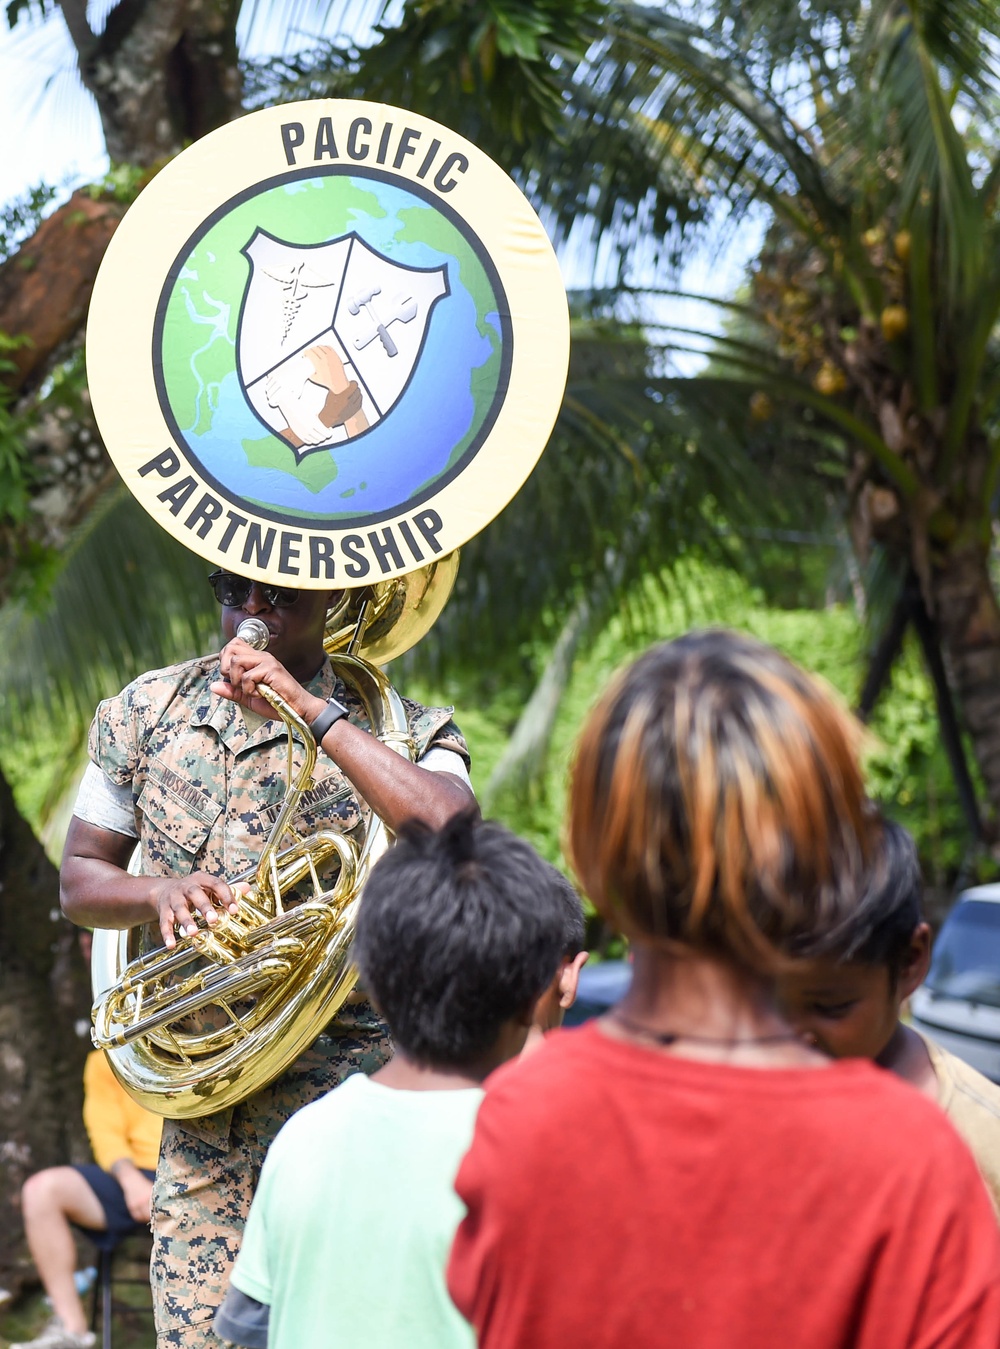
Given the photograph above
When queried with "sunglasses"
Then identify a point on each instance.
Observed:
(234, 591)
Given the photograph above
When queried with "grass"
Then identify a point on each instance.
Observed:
(132, 1318)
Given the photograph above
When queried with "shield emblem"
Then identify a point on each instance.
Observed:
(329, 336)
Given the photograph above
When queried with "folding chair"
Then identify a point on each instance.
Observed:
(133, 1248)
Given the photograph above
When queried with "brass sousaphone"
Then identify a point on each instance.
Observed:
(326, 346)
(267, 979)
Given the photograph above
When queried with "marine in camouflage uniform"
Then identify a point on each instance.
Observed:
(207, 780)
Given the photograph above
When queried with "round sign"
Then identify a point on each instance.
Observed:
(327, 343)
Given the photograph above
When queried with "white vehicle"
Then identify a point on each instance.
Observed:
(958, 1005)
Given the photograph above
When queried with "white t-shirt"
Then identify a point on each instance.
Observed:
(351, 1227)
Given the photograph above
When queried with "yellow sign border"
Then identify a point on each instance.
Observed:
(265, 145)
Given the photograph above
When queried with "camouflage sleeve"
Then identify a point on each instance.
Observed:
(113, 740)
(122, 725)
(434, 728)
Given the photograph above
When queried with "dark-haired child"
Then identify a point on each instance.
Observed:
(848, 1002)
(560, 995)
(459, 933)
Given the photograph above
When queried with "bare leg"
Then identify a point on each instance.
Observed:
(49, 1200)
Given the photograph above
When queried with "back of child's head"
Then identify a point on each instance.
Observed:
(718, 803)
(574, 932)
(880, 929)
(459, 931)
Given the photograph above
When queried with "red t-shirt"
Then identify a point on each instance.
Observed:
(620, 1197)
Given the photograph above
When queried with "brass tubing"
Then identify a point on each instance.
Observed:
(241, 980)
(274, 975)
(292, 721)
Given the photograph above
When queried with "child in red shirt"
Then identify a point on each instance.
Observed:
(715, 1183)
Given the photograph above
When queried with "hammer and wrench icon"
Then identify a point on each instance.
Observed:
(404, 309)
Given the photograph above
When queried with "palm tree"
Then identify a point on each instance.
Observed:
(865, 352)
(863, 357)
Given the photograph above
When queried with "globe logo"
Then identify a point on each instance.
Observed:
(331, 345)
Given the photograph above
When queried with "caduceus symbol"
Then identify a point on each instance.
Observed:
(296, 279)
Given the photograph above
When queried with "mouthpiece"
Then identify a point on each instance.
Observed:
(254, 633)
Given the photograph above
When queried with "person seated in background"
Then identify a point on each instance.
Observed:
(106, 1199)
(686, 1171)
(459, 933)
(848, 1001)
(560, 995)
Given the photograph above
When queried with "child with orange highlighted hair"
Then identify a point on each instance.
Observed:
(715, 1182)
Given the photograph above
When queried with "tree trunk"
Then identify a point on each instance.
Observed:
(967, 617)
(163, 72)
(44, 995)
(45, 291)
(523, 761)
(45, 287)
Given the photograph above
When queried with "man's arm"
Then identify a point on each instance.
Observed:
(396, 789)
(95, 889)
(137, 1188)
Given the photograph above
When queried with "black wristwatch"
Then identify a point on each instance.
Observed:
(331, 713)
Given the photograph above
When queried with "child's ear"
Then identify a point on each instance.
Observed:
(917, 962)
(569, 980)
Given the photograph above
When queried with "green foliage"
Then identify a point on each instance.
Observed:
(35, 565)
(15, 467)
(22, 216)
(623, 490)
(28, 567)
(869, 134)
(909, 773)
(907, 768)
(43, 768)
(497, 55)
(132, 1310)
(122, 182)
(526, 83)
(490, 70)
(130, 599)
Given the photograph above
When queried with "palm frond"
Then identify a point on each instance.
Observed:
(628, 485)
(710, 91)
(129, 598)
(934, 163)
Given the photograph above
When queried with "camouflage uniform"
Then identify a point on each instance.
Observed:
(207, 782)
